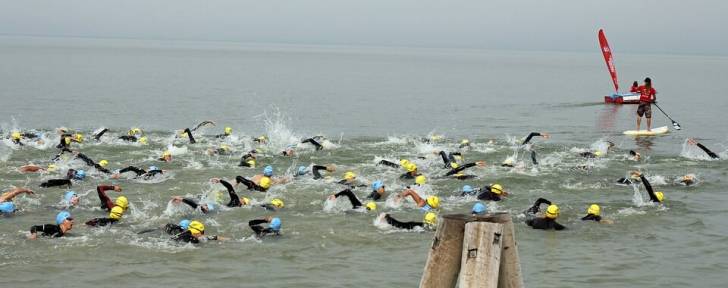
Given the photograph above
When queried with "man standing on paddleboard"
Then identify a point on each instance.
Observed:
(647, 96)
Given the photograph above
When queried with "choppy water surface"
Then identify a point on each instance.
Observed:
(371, 104)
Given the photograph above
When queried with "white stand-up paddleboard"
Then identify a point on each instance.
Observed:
(653, 132)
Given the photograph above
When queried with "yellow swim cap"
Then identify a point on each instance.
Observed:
(228, 130)
(51, 167)
(371, 206)
(465, 142)
(552, 211)
(277, 202)
(594, 210)
(251, 162)
(265, 182)
(15, 135)
(78, 137)
(660, 196)
(349, 175)
(597, 153)
(403, 162)
(134, 131)
(166, 153)
(225, 147)
(496, 188)
(430, 218)
(67, 139)
(104, 163)
(454, 165)
(143, 140)
(245, 201)
(508, 161)
(420, 180)
(433, 201)
(122, 202)
(116, 213)
(196, 227)
(262, 138)
(411, 167)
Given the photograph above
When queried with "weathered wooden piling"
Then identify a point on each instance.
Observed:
(481, 255)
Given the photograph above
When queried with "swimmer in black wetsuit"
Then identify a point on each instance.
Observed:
(457, 169)
(187, 132)
(548, 221)
(274, 226)
(449, 158)
(493, 192)
(235, 200)
(593, 213)
(377, 190)
(194, 234)
(248, 160)
(429, 222)
(64, 223)
(388, 163)
(534, 134)
(71, 174)
(227, 132)
(656, 197)
(355, 202)
(204, 207)
(692, 141)
(145, 174)
(99, 166)
(315, 143)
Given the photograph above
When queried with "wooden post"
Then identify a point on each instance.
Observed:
(443, 262)
(481, 257)
(510, 269)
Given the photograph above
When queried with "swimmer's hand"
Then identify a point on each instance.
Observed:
(215, 180)
(176, 199)
(692, 141)
(480, 163)
(33, 236)
(545, 135)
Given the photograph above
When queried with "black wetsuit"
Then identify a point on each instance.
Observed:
(459, 169)
(50, 230)
(541, 222)
(244, 160)
(97, 136)
(528, 139)
(189, 136)
(173, 229)
(648, 187)
(193, 204)
(137, 171)
(314, 143)
(533, 157)
(250, 184)
(60, 182)
(63, 145)
(375, 195)
(409, 175)
(402, 225)
(98, 222)
(91, 163)
(234, 198)
(448, 158)
(187, 237)
(152, 173)
(315, 170)
(588, 154)
(487, 194)
(129, 138)
(260, 230)
(591, 217)
(388, 163)
(355, 203)
(710, 153)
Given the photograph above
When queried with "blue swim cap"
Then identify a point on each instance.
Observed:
(275, 224)
(62, 216)
(80, 174)
(377, 184)
(7, 207)
(467, 189)
(184, 224)
(69, 195)
(152, 168)
(301, 170)
(268, 171)
(479, 208)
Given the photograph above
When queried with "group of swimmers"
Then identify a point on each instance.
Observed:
(193, 230)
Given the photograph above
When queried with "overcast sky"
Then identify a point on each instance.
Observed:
(656, 26)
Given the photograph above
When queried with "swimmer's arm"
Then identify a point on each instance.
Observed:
(234, 198)
(315, 170)
(105, 200)
(649, 189)
(8, 196)
(190, 202)
(558, 226)
(710, 153)
(256, 222)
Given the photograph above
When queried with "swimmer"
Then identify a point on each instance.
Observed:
(115, 214)
(174, 229)
(350, 180)
(204, 207)
(6, 199)
(388, 163)
(226, 132)
(633, 178)
(656, 197)
(593, 213)
(692, 141)
(494, 192)
(449, 158)
(317, 168)
(100, 132)
(194, 234)
(411, 169)
(248, 160)
(377, 190)
(432, 202)
(71, 174)
(101, 166)
(261, 140)
(687, 180)
(274, 205)
(70, 199)
(429, 222)
(223, 149)
(479, 209)
(263, 181)
(31, 168)
(534, 134)
(634, 155)
(188, 133)
(166, 156)
(355, 202)
(235, 200)
(152, 172)
(106, 202)
(290, 151)
(456, 169)
(465, 143)
(314, 143)
(548, 221)
(64, 223)
(274, 226)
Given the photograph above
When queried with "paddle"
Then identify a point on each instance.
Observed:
(674, 124)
